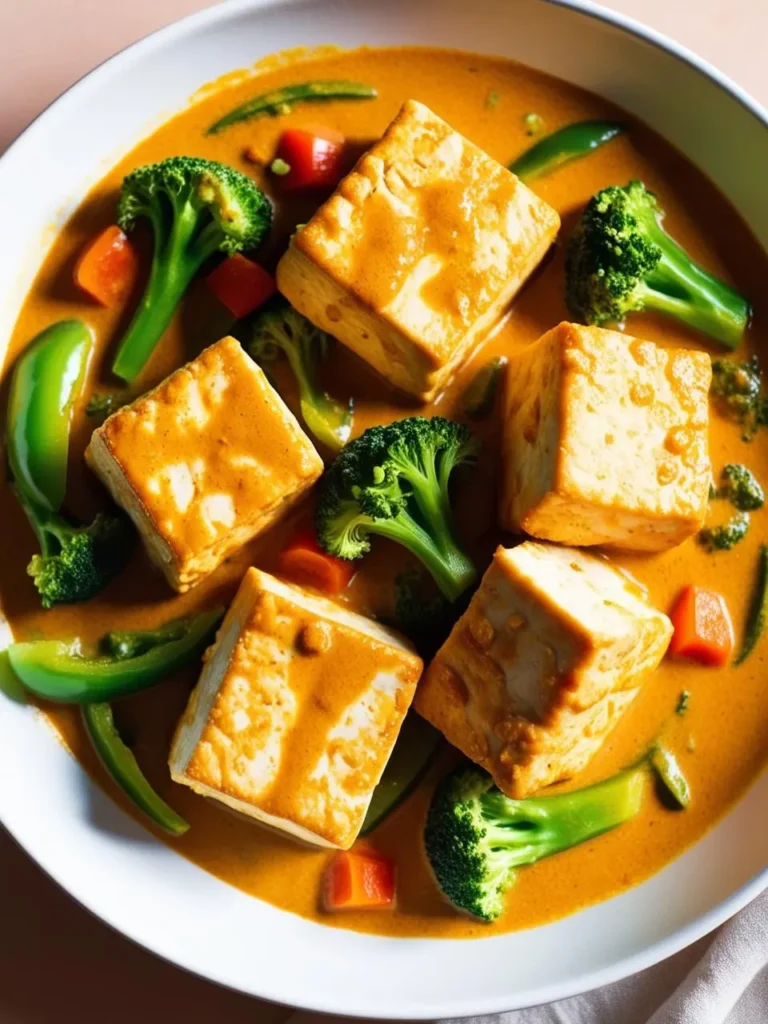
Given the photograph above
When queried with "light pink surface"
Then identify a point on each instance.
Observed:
(56, 962)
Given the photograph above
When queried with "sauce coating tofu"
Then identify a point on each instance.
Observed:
(606, 441)
(554, 646)
(418, 252)
(204, 462)
(296, 712)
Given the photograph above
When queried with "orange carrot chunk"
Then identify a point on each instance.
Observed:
(703, 627)
(359, 880)
(314, 159)
(304, 561)
(241, 285)
(108, 268)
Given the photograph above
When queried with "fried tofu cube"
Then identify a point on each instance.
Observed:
(554, 646)
(606, 441)
(296, 712)
(204, 462)
(418, 253)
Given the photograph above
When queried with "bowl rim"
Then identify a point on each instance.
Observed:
(623, 968)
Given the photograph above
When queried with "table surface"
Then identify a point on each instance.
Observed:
(49, 946)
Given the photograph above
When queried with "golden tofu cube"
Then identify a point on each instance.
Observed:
(296, 712)
(204, 462)
(418, 253)
(606, 441)
(554, 646)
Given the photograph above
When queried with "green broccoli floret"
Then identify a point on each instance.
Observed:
(726, 535)
(195, 208)
(476, 837)
(75, 562)
(740, 486)
(737, 387)
(421, 611)
(393, 481)
(100, 406)
(620, 260)
(279, 327)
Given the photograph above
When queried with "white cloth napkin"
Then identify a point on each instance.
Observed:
(722, 979)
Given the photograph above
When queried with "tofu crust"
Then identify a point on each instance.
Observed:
(606, 441)
(204, 462)
(553, 648)
(296, 712)
(418, 253)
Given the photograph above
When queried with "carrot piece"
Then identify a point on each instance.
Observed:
(359, 880)
(315, 158)
(241, 285)
(703, 627)
(304, 561)
(108, 267)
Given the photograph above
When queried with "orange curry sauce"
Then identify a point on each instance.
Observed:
(722, 742)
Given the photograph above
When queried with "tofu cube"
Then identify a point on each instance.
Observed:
(418, 252)
(554, 646)
(296, 712)
(204, 462)
(606, 441)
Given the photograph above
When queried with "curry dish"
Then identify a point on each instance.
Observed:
(413, 400)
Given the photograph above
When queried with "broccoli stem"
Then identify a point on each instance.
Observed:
(453, 571)
(555, 823)
(328, 420)
(429, 485)
(176, 260)
(680, 287)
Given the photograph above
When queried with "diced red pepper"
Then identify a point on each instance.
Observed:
(315, 158)
(703, 627)
(304, 561)
(359, 880)
(241, 285)
(108, 267)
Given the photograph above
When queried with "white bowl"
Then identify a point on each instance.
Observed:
(101, 856)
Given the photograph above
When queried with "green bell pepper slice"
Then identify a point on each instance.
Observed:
(569, 143)
(57, 670)
(281, 101)
(119, 762)
(47, 380)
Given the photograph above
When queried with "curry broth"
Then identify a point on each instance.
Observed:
(726, 724)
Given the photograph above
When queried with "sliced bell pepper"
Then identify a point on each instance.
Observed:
(703, 627)
(359, 880)
(47, 380)
(569, 143)
(108, 267)
(758, 609)
(304, 561)
(241, 285)
(315, 158)
(120, 763)
(57, 670)
(281, 101)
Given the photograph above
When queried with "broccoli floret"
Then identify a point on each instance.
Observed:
(393, 481)
(726, 535)
(737, 387)
(739, 485)
(421, 611)
(476, 837)
(620, 260)
(195, 208)
(101, 406)
(75, 562)
(278, 327)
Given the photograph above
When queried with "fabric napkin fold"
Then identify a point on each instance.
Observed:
(722, 979)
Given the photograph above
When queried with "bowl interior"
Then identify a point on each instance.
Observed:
(104, 858)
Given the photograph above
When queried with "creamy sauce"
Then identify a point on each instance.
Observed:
(727, 724)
